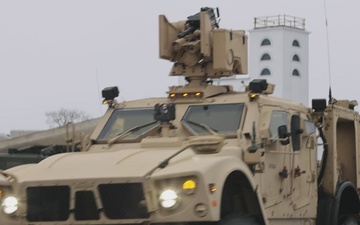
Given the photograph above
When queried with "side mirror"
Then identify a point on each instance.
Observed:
(283, 135)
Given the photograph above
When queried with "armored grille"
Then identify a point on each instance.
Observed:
(85, 206)
(48, 203)
(123, 201)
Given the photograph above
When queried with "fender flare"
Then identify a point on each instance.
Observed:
(228, 167)
(330, 209)
(345, 190)
(3, 179)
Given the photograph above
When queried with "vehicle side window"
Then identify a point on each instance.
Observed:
(295, 132)
(278, 118)
(309, 127)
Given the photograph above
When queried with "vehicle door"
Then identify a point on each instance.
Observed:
(303, 160)
(275, 181)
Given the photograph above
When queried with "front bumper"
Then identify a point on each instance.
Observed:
(116, 201)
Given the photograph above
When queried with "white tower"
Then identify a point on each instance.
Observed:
(279, 53)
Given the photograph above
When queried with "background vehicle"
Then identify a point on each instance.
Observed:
(35, 146)
(204, 154)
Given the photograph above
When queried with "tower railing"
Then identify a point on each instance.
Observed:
(279, 21)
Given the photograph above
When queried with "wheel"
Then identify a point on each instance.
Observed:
(348, 220)
(238, 219)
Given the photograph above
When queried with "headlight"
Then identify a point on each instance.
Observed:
(168, 199)
(10, 205)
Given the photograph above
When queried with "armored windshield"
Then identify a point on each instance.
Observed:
(138, 121)
(222, 118)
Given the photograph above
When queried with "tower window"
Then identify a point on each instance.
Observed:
(265, 72)
(296, 58)
(265, 57)
(295, 43)
(295, 72)
(265, 42)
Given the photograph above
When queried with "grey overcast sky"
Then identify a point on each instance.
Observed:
(62, 53)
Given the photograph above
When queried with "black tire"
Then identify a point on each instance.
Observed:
(348, 220)
(238, 219)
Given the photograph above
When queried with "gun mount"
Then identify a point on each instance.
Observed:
(200, 50)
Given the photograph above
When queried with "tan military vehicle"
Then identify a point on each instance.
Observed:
(204, 154)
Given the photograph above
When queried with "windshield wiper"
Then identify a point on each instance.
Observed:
(204, 126)
(127, 132)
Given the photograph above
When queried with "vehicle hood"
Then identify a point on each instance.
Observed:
(99, 164)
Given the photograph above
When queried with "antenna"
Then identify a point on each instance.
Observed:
(98, 91)
(331, 99)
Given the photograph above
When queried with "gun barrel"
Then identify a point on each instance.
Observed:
(187, 31)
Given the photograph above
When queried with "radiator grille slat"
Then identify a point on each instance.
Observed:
(123, 201)
(118, 201)
(48, 203)
(85, 206)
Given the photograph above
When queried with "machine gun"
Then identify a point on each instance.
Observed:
(193, 21)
